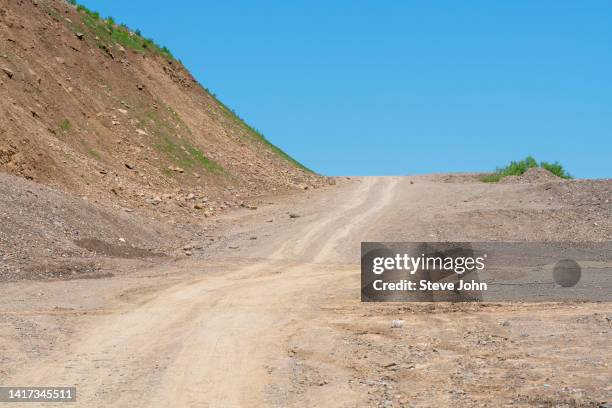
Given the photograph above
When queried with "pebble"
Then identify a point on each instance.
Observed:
(397, 324)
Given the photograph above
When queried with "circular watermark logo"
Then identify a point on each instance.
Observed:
(567, 273)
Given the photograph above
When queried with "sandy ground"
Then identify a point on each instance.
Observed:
(270, 315)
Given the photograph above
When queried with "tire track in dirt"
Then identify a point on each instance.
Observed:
(206, 342)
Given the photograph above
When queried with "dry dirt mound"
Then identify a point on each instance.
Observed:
(47, 233)
(90, 107)
(532, 175)
(454, 178)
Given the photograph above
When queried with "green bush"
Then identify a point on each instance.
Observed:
(517, 168)
(557, 169)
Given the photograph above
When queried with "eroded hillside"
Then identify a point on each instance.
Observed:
(99, 111)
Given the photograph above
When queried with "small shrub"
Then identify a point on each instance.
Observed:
(491, 178)
(517, 168)
(65, 125)
(557, 169)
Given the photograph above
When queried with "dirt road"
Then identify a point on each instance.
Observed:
(273, 318)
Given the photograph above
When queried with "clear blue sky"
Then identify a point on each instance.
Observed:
(352, 87)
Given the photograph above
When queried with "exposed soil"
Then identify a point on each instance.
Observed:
(119, 125)
(157, 251)
(268, 312)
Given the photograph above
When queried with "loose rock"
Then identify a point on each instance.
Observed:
(8, 72)
(397, 324)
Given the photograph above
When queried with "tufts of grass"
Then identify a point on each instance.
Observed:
(207, 163)
(108, 31)
(491, 178)
(65, 125)
(187, 156)
(94, 154)
(256, 134)
(517, 168)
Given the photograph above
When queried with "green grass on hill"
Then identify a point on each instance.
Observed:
(109, 32)
(256, 134)
(517, 168)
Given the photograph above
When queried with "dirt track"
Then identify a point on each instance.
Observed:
(276, 320)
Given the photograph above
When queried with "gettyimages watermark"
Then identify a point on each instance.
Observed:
(486, 271)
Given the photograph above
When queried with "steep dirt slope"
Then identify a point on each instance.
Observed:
(97, 110)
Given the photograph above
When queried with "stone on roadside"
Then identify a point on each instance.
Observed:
(176, 169)
(154, 200)
(397, 324)
(8, 72)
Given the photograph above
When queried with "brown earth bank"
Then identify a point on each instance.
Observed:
(260, 306)
(125, 124)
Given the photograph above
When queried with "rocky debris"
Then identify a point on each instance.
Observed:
(141, 132)
(397, 324)
(188, 249)
(79, 35)
(8, 72)
(248, 206)
(176, 169)
(532, 175)
(294, 215)
(129, 166)
(48, 234)
(154, 200)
